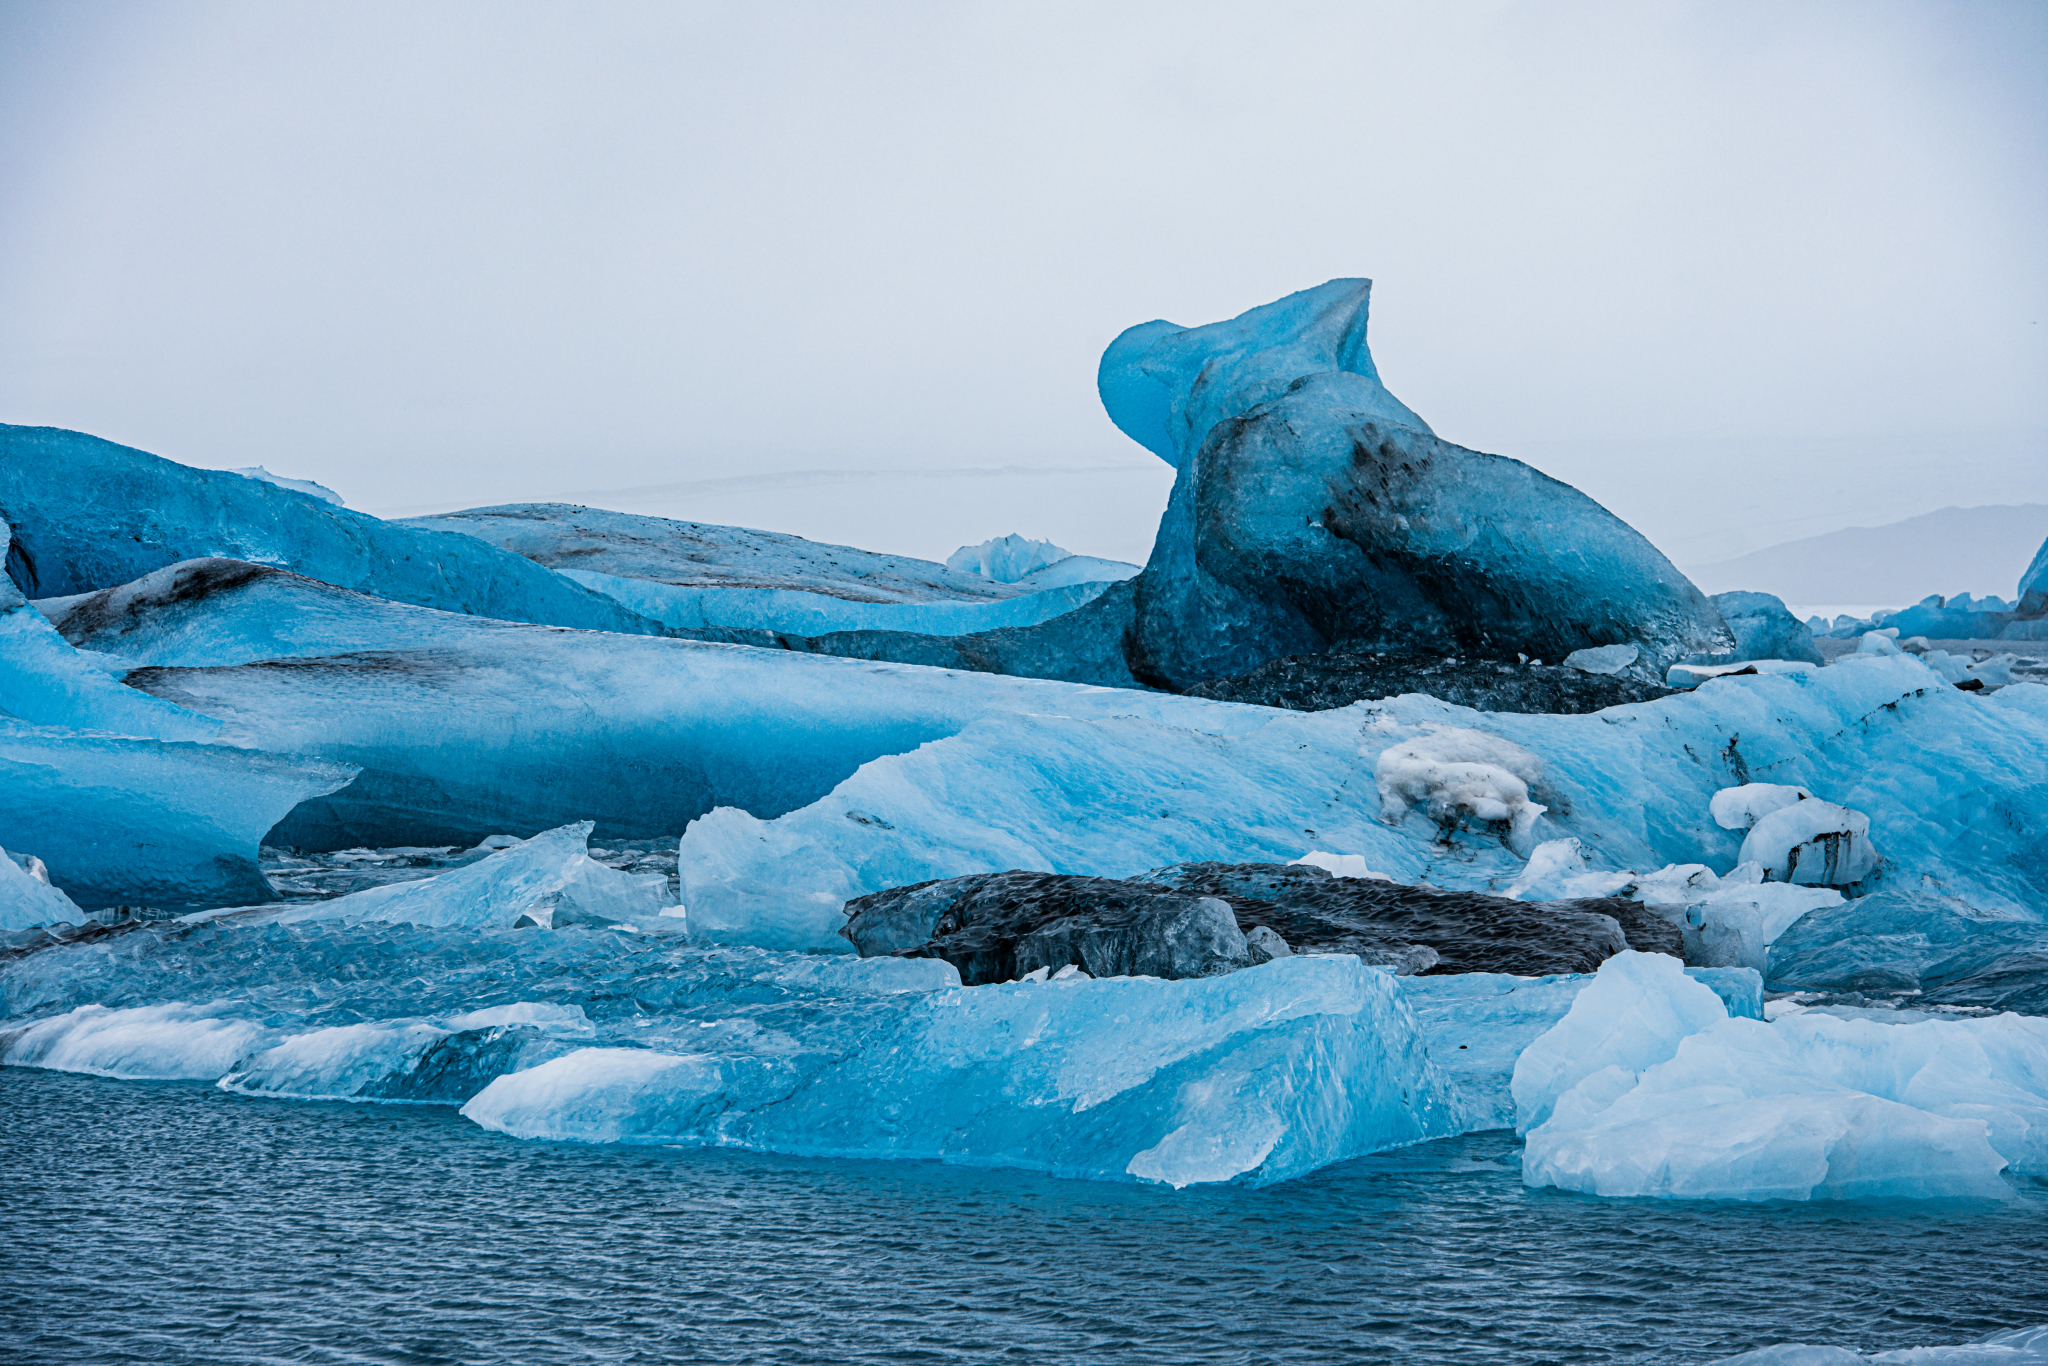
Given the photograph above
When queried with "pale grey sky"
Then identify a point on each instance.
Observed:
(1744, 272)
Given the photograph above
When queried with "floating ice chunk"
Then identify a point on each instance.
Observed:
(1765, 629)
(1253, 1077)
(1689, 676)
(1653, 1091)
(1883, 642)
(2020, 1347)
(176, 1042)
(1339, 865)
(551, 875)
(1633, 1016)
(1006, 559)
(1458, 775)
(1740, 808)
(27, 900)
(1603, 659)
(1812, 842)
(1079, 569)
(1557, 871)
(1992, 673)
(305, 486)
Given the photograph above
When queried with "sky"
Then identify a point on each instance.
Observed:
(1745, 272)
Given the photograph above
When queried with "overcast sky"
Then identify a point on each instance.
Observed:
(1742, 271)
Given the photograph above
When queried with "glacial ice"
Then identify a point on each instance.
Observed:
(45, 681)
(1557, 871)
(1253, 1077)
(1740, 808)
(27, 900)
(120, 819)
(1948, 781)
(88, 514)
(1647, 1088)
(1917, 946)
(466, 728)
(1005, 559)
(548, 879)
(2018, 1347)
(305, 486)
(2033, 589)
(1765, 628)
(1313, 511)
(1812, 843)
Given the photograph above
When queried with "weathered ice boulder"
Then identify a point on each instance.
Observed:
(1765, 628)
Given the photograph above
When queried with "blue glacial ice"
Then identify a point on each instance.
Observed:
(1916, 947)
(1646, 1087)
(693, 576)
(44, 680)
(465, 727)
(88, 514)
(1314, 510)
(1949, 781)
(545, 880)
(305, 486)
(120, 819)
(2033, 589)
(1765, 628)
(26, 897)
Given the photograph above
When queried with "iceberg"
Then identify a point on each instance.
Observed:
(1313, 510)
(121, 819)
(1253, 1077)
(1647, 1088)
(1951, 779)
(1765, 628)
(466, 727)
(1006, 559)
(1917, 947)
(88, 514)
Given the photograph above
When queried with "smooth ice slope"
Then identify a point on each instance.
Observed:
(121, 820)
(1646, 1088)
(88, 514)
(1315, 510)
(44, 680)
(1256, 1076)
(1951, 783)
(466, 728)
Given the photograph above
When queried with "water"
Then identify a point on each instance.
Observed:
(173, 1223)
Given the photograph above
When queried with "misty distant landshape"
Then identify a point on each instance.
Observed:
(1976, 550)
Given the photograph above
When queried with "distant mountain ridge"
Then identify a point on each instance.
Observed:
(1978, 550)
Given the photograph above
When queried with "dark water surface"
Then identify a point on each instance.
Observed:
(174, 1223)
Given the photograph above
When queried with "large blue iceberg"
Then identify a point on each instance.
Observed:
(88, 514)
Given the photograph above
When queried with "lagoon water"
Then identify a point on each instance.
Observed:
(172, 1223)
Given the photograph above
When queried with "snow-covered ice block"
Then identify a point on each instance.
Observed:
(1340, 865)
(1253, 1077)
(122, 820)
(88, 514)
(1557, 871)
(1814, 843)
(1459, 775)
(1740, 808)
(546, 879)
(1646, 1088)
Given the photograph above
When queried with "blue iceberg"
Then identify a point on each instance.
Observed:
(88, 514)
(1647, 1088)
